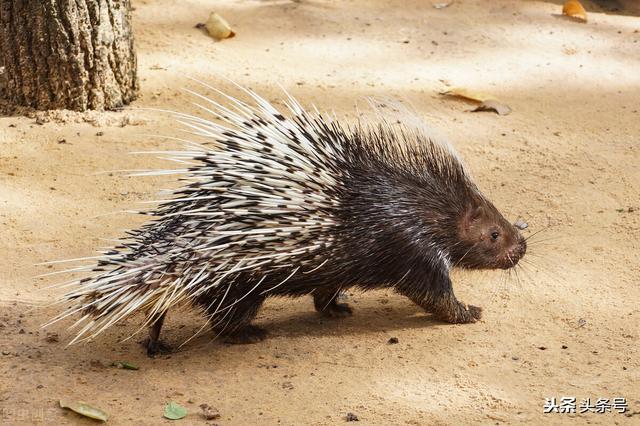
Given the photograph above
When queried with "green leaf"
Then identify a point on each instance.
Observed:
(174, 411)
(85, 409)
(125, 365)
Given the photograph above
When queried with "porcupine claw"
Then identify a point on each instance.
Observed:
(462, 314)
(155, 348)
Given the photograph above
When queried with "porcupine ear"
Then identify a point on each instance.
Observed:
(470, 216)
(477, 213)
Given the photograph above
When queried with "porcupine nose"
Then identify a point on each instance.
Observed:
(517, 251)
(514, 254)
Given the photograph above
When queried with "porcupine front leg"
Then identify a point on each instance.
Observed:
(435, 294)
(326, 302)
(236, 327)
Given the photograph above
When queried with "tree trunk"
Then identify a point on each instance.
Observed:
(73, 54)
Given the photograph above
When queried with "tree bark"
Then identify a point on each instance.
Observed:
(73, 54)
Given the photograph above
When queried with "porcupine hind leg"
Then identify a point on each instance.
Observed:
(326, 302)
(435, 294)
(154, 345)
(236, 327)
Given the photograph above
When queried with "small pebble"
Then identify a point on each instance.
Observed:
(521, 224)
(52, 337)
(209, 412)
(352, 418)
(393, 341)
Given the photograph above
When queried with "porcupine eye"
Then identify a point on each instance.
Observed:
(494, 235)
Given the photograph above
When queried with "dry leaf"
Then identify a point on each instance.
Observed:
(218, 28)
(461, 92)
(487, 102)
(493, 105)
(441, 5)
(574, 9)
(85, 409)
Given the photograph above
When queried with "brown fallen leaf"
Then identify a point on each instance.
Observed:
(85, 409)
(461, 92)
(486, 102)
(493, 105)
(441, 5)
(573, 9)
(218, 27)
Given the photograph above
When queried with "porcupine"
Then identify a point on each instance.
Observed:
(299, 205)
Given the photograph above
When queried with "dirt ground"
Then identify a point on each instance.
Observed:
(566, 160)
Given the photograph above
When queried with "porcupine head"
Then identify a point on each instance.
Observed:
(487, 239)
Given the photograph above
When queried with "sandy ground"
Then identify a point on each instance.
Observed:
(567, 158)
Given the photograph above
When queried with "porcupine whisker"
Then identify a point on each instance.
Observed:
(546, 241)
(546, 228)
(523, 272)
(540, 270)
(533, 264)
(500, 285)
(465, 255)
(515, 273)
(537, 256)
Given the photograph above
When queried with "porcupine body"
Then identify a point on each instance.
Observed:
(277, 205)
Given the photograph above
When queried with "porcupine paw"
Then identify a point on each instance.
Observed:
(157, 347)
(337, 310)
(462, 314)
(246, 335)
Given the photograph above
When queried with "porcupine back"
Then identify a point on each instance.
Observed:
(266, 200)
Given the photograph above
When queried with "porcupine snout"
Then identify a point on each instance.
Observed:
(515, 253)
